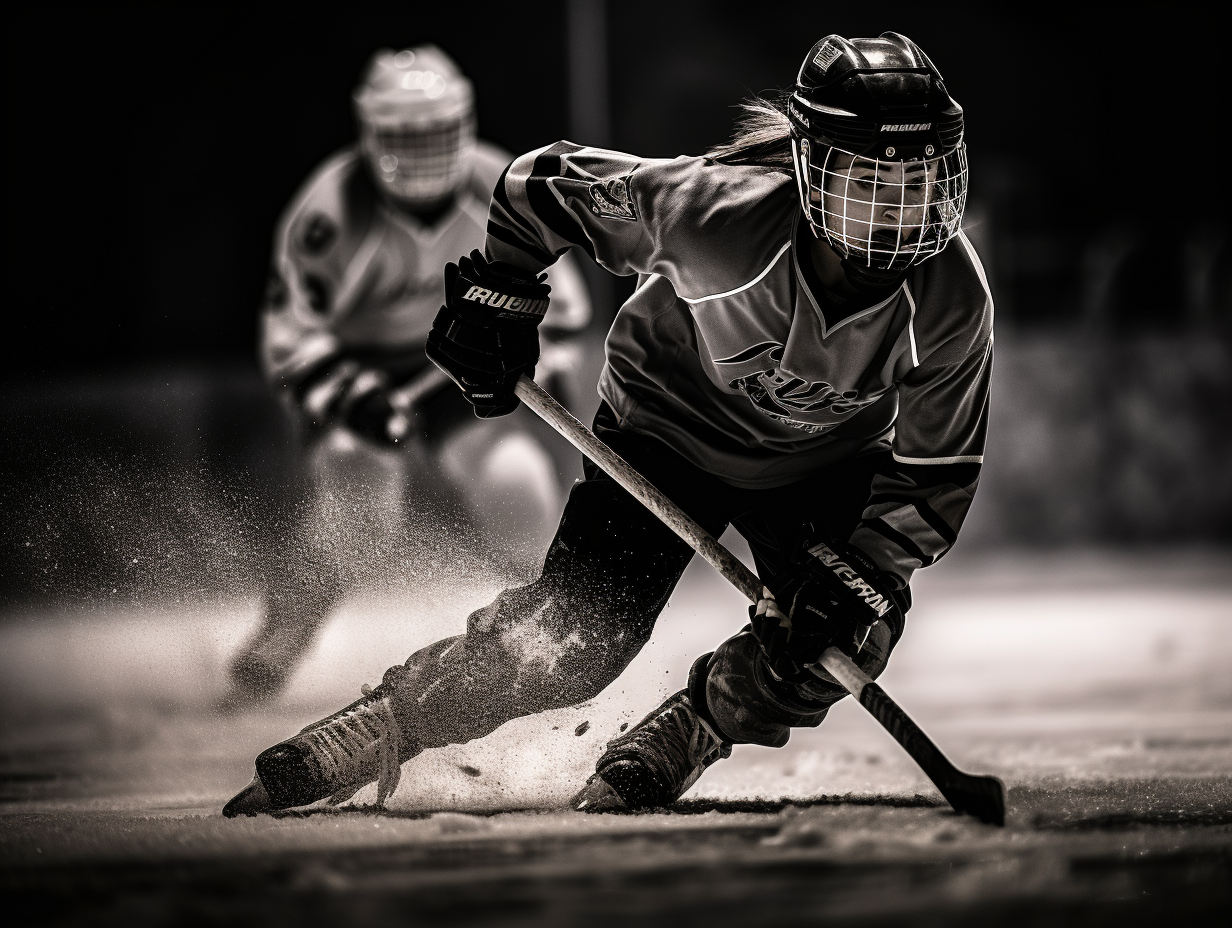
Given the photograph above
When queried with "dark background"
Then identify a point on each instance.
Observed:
(151, 150)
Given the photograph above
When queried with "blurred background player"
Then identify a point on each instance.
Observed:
(389, 456)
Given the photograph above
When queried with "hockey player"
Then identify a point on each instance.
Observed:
(356, 282)
(807, 358)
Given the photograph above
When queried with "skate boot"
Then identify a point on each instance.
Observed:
(653, 763)
(331, 759)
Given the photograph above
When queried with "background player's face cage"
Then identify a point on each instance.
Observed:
(887, 215)
(421, 164)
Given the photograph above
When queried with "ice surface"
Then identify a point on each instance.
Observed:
(1094, 685)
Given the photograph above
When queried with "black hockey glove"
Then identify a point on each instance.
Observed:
(832, 595)
(486, 335)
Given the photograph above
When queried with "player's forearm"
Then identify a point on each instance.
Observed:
(918, 503)
(914, 514)
(516, 234)
(566, 196)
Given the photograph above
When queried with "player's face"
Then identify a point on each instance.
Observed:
(420, 165)
(877, 206)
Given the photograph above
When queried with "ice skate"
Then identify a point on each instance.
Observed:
(330, 759)
(655, 762)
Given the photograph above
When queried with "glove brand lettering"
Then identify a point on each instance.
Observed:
(878, 603)
(513, 304)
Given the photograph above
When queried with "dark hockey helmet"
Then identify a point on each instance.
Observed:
(877, 141)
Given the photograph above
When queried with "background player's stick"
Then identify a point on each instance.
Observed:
(406, 398)
(980, 796)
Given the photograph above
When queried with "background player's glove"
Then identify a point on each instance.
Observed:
(833, 595)
(341, 391)
(486, 335)
(371, 416)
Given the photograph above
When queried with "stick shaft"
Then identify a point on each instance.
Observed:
(407, 397)
(582, 438)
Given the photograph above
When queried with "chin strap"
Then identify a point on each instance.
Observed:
(869, 280)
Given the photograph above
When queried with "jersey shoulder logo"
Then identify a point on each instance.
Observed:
(610, 199)
(317, 234)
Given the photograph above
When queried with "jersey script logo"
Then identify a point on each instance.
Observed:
(783, 396)
(610, 199)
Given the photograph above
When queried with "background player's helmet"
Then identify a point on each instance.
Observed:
(417, 124)
(874, 132)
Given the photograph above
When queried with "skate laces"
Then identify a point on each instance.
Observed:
(673, 742)
(341, 744)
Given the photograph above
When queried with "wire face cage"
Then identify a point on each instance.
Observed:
(421, 164)
(879, 213)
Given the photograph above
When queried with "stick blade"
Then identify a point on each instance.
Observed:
(980, 796)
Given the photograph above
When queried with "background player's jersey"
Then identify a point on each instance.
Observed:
(356, 282)
(731, 352)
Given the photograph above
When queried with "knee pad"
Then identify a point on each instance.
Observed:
(750, 706)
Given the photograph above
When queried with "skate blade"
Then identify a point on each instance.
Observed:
(343, 795)
(597, 796)
(251, 800)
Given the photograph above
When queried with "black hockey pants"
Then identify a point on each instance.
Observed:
(607, 575)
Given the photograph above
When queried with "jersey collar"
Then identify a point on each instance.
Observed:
(833, 312)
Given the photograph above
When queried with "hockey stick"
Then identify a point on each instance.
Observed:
(407, 397)
(980, 796)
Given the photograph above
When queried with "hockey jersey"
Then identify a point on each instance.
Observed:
(356, 283)
(731, 351)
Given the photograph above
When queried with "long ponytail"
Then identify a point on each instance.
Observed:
(762, 136)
